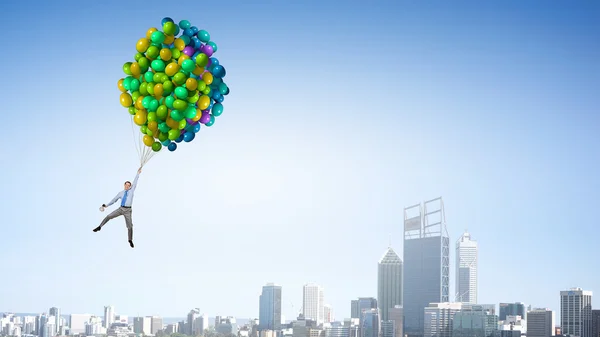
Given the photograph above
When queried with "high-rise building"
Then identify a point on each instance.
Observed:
(142, 325)
(269, 316)
(389, 282)
(438, 319)
(354, 312)
(156, 324)
(109, 316)
(327, 314)
(466, 269)
(191, 318)
(337, 329)
(57, 318)
(595, 323)
(576, 312)
(426, 262)
(369, 323)
(475, 321)
(511, 309)
(312, 302)
(540, 323)
(200, 325)
(396, 315)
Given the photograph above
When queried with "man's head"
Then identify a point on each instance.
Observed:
(127, 185)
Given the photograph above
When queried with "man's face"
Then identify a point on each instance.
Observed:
(127, 185)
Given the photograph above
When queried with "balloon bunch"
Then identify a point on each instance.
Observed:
(174, 85)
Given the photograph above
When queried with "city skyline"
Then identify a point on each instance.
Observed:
(340, 115)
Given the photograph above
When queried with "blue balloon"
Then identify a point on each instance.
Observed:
(219, 71)
(216, 95)
(221, 99)
(214, 61)
(195, 29)
(165, 20)
(197, 44)
(196, 128)
(172, 147)
(188, 136)
(188, 32)
(179, 139)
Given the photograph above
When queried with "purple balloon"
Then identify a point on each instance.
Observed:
(189, 120)
(205, 117)
(182, 132)
(189, 51)
(208, 50)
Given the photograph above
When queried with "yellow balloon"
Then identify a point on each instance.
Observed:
(120, 85)
(207, 78)
(166, 54)
(182, 58)
(179, 44)
(198, 115)
(126, 100)
(198, 70)
(153, 125)
(149, 32)
(172, 69)
(191, 84)
(148, 140)
(171, 123)
(169, 39)
(140, 118)
(156, 133)
(135, 69)
(203, 102)
(142, 45)
(138, 102)
(158, 90)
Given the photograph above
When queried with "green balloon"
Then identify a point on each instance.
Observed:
(138, 56)
(214, 45)
(127, 68)
(149, 132)
(127, 82)
(157, 37)
(188, 65)
(194, 98)
(174, 134)
(153, 52)
(148, 76)
(168, 87)
(152, 116)
(169, 102)
(156, 146)
(201, 85)
(144, 129)
(203, 36)
(152, 106)
(134, 85)
(158, 65)
(162, 112)
(182, 124)
(150, 88)
(163, 77)
(156, 78)
(180, 104)
(144, 64)
(135, 95)
(146, 101)
(131, 110)
(143, 87)
(181, 92)
(179, 78)
(190, 112)
(169, 28)
(175, 53)
(202, 60)
(162, 136)
(206, 90)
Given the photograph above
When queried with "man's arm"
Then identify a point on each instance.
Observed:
(134, 184)
(117, 197)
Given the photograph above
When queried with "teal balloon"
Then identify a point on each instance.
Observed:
(223, 89)
(169, 101)
(184, 24)
(203, 36)
(134, 85)
(166, 142)
(127, 83)
(213, 45)
(211, 122)
(176, 115)
(188, 65)
(181, 92)
(146, 101)
(186, 39)
(153, 105)
(163, 127)
(217, 109)
(158, 66)
(157, 37)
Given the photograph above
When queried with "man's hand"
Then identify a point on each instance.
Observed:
(139, 170)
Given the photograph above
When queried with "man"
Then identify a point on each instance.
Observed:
(126, 197)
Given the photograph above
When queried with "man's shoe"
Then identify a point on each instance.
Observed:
(131, 243)
(97, 229)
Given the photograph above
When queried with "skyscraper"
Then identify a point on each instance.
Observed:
(426, 262)
(511, 309)
(269, 317)
(595, 323)
(540, 323)
(389, 282)
(156, 324)
(312, 302)
(57, 319)
(576, 312)
(466, 269)
(109, 316)
(369, 323)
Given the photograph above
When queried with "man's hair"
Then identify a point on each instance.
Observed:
(128, 182)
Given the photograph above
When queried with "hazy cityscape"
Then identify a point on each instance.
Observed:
(412, 299)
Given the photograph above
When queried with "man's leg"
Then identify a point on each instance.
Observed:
(109, 217)
(129, 224)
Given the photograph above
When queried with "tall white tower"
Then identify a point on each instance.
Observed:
(109, 316)
(576, 312)
(466, 269)
(313, 305)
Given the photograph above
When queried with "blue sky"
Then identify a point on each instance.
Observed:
(339, 116)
